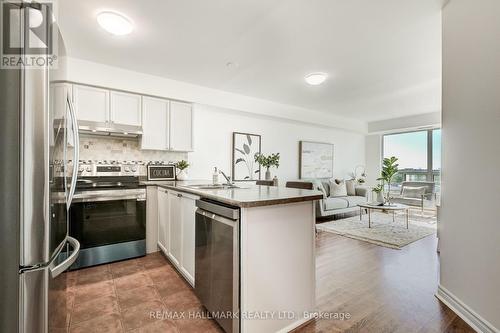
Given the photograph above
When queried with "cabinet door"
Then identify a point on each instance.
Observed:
(91, 104)
(126, 109)
(152, 219)
(175, 241)
(181, 126)
(188, 236)
(58, 99)
(57, 114)
(154, 124)
(163, 220)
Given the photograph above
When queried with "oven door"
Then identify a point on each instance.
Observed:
(108, 230)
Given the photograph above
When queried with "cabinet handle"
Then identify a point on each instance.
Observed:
(179, 195)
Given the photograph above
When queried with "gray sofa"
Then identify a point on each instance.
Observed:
(336, 205)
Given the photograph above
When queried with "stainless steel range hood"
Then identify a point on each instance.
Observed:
(109, 129)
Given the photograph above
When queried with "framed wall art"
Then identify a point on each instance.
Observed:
(316, 160)
(245, 146)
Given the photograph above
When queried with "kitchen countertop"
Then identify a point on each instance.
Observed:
(246, 196)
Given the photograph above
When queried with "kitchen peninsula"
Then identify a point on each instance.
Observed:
(276, 237)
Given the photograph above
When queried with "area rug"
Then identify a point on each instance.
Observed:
(383, 231)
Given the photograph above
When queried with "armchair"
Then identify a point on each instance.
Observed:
(415, 193)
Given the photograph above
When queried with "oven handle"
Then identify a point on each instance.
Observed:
(94, 198)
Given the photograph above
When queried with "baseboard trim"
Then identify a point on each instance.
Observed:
(463, 311)
(295, 325)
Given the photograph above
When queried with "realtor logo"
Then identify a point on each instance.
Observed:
(28, 34)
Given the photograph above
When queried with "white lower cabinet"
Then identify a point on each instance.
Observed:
(176, 229)
(151, 219)
(163, 220)
(174, 203)
(188, 209)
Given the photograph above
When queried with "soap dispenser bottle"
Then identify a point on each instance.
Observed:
(215, 176)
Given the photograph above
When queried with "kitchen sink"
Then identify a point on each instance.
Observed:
(212, 186)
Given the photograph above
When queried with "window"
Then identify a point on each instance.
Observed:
(419, 156)
(436, 158)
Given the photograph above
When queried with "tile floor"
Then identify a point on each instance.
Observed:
(122, 297)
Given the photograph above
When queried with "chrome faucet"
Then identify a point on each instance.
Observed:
(228, 179)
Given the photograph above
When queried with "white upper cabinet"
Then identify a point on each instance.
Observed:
(91, 104)
(181, 126)
(58, 99)
(125, 109)
(155, 124)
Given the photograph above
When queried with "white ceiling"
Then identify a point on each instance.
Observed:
(383, 56)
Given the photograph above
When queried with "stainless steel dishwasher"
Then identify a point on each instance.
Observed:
(217, 262)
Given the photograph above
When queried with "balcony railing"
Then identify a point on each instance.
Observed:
(415, 175)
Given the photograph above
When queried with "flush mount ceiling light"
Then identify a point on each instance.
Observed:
(315, 79)
(115, 23)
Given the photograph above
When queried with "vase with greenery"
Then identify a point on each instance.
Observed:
(182, 165)
(389, 170)
(267, 162)
(379, 189)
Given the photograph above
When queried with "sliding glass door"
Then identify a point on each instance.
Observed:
(419, 155)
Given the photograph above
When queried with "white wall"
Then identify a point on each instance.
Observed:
(373, 157)
(470, 234)
(83, 71)
(405, 123)
(213, 128)
(218, 114)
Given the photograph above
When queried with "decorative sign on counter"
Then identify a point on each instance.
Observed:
(161, 172)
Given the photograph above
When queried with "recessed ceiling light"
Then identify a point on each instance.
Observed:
(232, 65)
(315, 79)
(115, 23)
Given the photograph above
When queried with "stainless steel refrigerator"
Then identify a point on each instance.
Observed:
(38, 160)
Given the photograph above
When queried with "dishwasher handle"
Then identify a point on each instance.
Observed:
(220, 209)
(216, 217)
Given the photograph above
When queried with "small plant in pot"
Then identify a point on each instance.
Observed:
(182, 165)
(267, 162)
(379, 189)
(389, 170)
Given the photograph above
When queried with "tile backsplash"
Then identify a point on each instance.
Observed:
(122, 149)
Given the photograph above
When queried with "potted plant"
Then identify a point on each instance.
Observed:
(182, 165)
(268, 162)
(389, 169)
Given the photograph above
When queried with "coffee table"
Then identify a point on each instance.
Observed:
(393, 207)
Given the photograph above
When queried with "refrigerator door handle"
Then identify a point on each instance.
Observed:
(76, 151)
(54, 272)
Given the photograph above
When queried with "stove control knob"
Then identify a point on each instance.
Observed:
(134, 169)
(127, 169)
(80, 169)
(88, 169)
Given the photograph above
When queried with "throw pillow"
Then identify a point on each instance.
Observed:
(413, 192)
(351, 187)
(338, 190)
(318, 186)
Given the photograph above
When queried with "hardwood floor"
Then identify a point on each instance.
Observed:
(383, 290)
